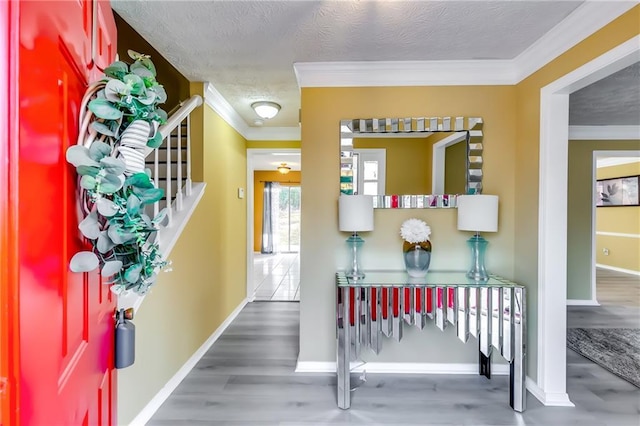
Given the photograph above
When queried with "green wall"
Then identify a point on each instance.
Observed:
(579, 208)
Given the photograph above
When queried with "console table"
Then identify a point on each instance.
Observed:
(378, 305)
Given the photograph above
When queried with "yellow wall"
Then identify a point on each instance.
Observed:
(323, 248)
(208, 280)
(259, 178)
(527, 159)
(624, 252)
(579, 208)
(455, 177)
(408, 163)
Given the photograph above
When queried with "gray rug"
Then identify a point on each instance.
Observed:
(615, 349)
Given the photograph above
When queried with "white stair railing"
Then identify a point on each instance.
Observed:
(162, 163)
(171, 163)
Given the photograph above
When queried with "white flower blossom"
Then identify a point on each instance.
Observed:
(415, 231)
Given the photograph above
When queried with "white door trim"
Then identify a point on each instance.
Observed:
(251, 153)
(552, 214)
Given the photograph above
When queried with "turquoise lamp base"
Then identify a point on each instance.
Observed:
(355, 243)
(478, 246)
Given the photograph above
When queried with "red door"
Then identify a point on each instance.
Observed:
(62, 373)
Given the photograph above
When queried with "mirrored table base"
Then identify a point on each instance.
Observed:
(494, 315)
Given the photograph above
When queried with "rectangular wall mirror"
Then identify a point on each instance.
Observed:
(411, 162)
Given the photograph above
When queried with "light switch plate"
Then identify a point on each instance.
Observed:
(240, 193)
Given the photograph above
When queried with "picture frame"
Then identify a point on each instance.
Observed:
(618, 192)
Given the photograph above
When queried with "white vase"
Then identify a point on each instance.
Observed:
(136, 134)
(133, 144)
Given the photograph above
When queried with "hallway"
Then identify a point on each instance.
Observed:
(247, 378)
(276, 277)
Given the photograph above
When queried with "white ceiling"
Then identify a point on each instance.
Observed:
(271, 160)
(247, 49)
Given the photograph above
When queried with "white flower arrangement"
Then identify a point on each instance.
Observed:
(415, 231)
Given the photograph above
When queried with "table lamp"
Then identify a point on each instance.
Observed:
(478, 213)
(355, 214)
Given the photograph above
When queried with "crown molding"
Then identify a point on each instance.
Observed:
(581, 23)
(404, 73)
(589, 133)
(219, 104)
(273, 134)
(585, 20)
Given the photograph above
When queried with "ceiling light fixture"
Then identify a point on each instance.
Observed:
(283, 168)
(266, 110)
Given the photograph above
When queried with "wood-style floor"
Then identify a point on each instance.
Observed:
(247, 378)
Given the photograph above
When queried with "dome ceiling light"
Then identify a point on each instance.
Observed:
(266, 110)
(283, 168)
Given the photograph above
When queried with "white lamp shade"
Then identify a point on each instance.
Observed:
(355, 213)
(478, 213)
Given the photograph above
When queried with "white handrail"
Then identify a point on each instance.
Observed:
(183, 112)
(175, 122)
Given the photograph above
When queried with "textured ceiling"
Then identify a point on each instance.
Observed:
(614, 100)
(247, 49)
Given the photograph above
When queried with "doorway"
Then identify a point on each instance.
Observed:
(552, 251)
(274, 196)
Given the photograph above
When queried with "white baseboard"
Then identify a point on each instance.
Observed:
(149, 410)
(613, 268)
(582, 302)
(399, 368)
(548, 399)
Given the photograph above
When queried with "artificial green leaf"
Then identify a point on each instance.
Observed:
(89, 226)
(161, 94)
(135, 55)
(132, 274)
(117, 289)
(155, 141)
(104, 243)
(148, 98)
(98, 150)
(88, 182)
(78, 155)
(143, 59)
(110, 183)
(111, 268)
(139, 180)
(147, 221)
(162, 115)
(160, 217)
(119, 235)
(113, 165)
(84, 261)
(115, 90)
(147, 63)
(102, 108)
(116, 70)
(106, 207)
(135, 83)
(102, 128)
(133, 205)
(152, 195)
(87, 170)
(147, 172)
(139, 69)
